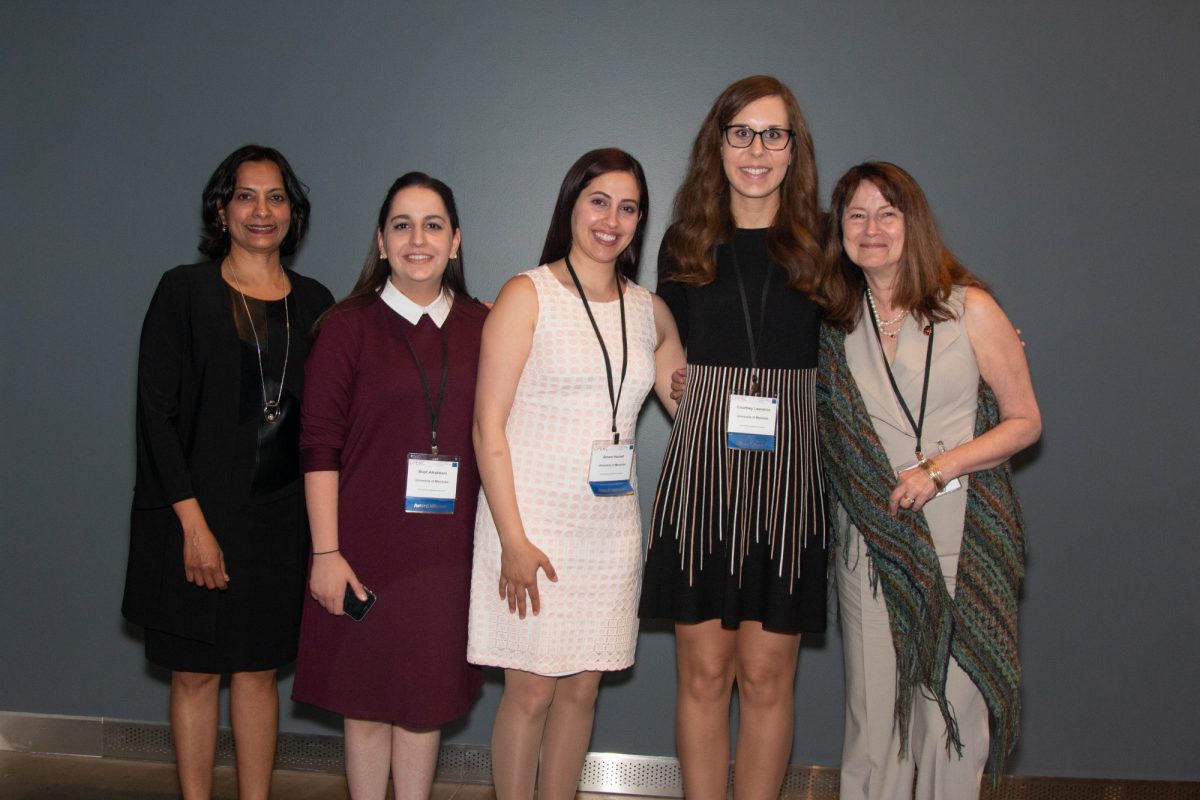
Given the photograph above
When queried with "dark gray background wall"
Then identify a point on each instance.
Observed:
(1056, 142)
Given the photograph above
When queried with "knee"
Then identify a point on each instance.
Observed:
(360, 732)
(578, 691)
(192, 684)
(529, 698)
(764, 683)
(706, 682)
(263, 680)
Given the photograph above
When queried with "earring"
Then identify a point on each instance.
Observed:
(382, 256)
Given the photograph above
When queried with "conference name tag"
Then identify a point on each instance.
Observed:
(432, 484)
(611, 471)
(751, 422)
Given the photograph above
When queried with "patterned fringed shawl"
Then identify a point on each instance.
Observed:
(978, 626)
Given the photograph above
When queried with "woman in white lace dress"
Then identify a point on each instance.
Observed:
(569, 352)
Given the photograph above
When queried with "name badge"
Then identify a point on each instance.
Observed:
(432, 484)
(611, 471)
(751, 422)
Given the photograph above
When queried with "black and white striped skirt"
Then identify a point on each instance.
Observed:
(739, 534)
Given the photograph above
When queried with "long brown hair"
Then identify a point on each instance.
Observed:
(702, 215)
(376, 270)
(928, 270)
(587, 168)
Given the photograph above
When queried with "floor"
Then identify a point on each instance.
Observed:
(34, 776)
(31, 776)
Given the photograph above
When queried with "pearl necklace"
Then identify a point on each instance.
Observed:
(881, 324)
(271, 411)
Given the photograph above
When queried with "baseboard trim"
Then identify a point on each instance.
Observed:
(606, 773)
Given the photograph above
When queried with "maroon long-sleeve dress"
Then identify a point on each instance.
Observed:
(364, 412)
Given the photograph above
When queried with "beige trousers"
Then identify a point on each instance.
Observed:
(871, 767)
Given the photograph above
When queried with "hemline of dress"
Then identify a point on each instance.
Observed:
(159, 659)
(548, 673)
(375, 715)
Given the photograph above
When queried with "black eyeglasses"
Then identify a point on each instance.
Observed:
(742, 136)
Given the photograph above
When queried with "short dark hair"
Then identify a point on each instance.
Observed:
(590, 166)
(214, 239)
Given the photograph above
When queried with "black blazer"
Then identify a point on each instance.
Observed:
(188, 390)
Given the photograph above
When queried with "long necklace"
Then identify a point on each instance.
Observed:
(271, 411)
(881, 324)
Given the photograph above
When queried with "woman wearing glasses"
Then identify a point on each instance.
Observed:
(736, 554)
(924, 396)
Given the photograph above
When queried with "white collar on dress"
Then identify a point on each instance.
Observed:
(399, 302)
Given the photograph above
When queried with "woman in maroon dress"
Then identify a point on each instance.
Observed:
(392, 485)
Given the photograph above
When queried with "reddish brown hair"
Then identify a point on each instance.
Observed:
(928, 270)
(702, 215)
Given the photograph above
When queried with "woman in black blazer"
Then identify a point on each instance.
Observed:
(219, 536)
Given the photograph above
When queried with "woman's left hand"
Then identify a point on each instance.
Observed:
(914, 489)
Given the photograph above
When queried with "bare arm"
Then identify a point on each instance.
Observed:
(1001, 358)
(330, 570)
(507, 339)
(668, 356)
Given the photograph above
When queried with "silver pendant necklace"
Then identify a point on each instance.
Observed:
(271, 410)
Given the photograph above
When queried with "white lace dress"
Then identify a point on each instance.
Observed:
(588, 619)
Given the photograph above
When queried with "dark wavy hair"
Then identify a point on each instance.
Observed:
(590, 166)
(928, 270)
(376, 270)
(703, 218)
(214, 239)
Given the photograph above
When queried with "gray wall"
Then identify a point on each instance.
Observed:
(1056, 142)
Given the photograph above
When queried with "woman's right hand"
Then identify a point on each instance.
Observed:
(519, 564)
(203, 560)
(678, 383)
(327, 582)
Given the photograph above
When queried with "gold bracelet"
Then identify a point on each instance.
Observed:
(933, 472)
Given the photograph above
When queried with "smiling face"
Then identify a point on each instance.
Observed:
(259, 212)
(873, 233)
(755, 173)
(605, 217)
(418, 240)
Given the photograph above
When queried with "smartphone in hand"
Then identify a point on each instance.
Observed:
(357, 609)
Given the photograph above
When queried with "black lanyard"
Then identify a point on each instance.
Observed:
(613, 398)
(918, 423)
(755, 344)
(434, 411)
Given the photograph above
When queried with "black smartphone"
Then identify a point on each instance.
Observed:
(357, 609)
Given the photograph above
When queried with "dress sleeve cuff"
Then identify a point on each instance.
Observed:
(320, 459)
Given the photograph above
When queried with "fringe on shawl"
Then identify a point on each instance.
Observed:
(978, 626)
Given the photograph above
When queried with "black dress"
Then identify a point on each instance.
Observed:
(736, 534)
(201, 432)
